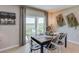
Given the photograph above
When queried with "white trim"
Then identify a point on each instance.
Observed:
(10, 47)
(75, 42)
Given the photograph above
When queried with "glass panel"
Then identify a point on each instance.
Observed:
(40, 25)
(30, 25)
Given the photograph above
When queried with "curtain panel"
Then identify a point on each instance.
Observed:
(22, 34)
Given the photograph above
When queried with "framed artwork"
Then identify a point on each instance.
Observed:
(60, 20)
(7, 18)
(72, 21)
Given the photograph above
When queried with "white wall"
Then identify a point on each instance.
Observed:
(9, 34)
(73, 34)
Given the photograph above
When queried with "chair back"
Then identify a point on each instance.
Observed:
(56, 39)
(62, 38)
(59, 37)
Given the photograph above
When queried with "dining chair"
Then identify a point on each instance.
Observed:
(57, 42)
(34, 46)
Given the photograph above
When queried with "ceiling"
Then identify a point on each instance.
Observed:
(52, 8)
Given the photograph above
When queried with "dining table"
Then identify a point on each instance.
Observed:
(43, 40)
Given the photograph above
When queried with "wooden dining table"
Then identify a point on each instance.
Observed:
(43, 40)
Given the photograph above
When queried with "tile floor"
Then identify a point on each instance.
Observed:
(71, 48)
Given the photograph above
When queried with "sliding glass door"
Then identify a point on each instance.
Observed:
(40, 25)
(30, 25)
(35, 25)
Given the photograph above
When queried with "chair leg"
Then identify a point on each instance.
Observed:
(31, 47)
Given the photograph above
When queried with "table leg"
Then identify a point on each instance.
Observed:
(66, 41)
(41, 48)
(31, 46)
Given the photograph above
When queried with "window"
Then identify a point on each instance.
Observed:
(30, 25)
(35, 25)
(35, 21)
(40, 25)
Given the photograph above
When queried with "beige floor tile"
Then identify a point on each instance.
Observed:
(71, 48)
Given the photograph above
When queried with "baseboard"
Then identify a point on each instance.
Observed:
(75, 42)
(4, 49)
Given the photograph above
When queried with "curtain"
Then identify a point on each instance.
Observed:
(34, 12)
(46, 17)
(22, 34)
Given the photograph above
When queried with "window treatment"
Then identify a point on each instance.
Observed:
(34, 12)
(22, 34)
